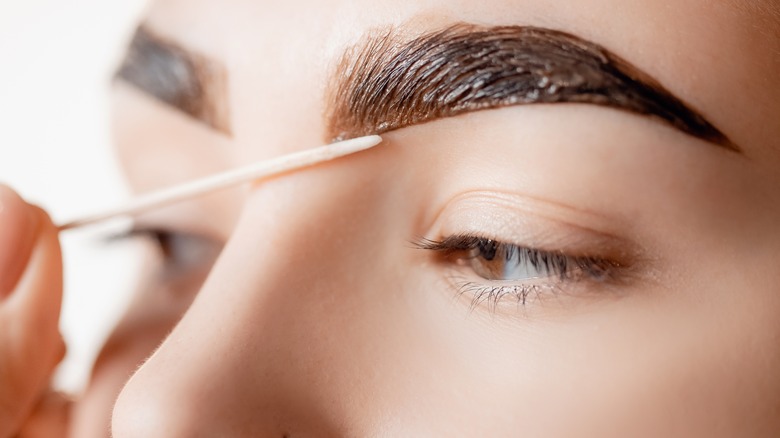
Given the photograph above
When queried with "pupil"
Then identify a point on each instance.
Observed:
(487, 249)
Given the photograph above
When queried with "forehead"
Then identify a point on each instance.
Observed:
(279, 56)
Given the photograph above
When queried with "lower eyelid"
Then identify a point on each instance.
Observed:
(496, 296)
(493, 296)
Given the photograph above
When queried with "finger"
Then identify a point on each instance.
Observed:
(36, 300)
(30, 342)
(18, 228)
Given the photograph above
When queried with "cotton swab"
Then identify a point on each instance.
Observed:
(262, 169)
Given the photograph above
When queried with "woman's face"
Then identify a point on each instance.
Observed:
(559, 269)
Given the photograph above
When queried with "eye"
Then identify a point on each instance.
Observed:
(490, 269)
(494, 260)
(181, 252)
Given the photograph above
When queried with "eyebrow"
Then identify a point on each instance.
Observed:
(181, 78)
(384, 83)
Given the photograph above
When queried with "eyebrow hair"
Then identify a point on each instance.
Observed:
(383, 83)
(178, 77)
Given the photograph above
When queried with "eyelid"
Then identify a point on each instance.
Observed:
(535, 223)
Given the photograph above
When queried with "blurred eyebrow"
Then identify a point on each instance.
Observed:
(385, 83)
(178, 77)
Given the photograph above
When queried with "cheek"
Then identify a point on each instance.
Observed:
(684, 361)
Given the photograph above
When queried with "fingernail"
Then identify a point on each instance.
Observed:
(18, 228)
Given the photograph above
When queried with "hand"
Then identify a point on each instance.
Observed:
(30, 298)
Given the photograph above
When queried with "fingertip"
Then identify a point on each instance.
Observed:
(44, 223)
(61, 349)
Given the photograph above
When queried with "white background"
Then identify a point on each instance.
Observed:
(56, 58)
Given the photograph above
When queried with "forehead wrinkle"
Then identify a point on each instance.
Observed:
(386, 82)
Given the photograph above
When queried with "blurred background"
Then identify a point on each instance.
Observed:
(56, 61)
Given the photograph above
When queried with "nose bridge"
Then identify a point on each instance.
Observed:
(249, 350)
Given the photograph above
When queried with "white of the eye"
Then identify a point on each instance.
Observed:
(520, 268)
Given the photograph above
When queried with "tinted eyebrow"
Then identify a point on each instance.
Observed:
(178, 77)
(385, 83)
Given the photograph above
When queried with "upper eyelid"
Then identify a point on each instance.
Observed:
(547, 208)
(526, 220)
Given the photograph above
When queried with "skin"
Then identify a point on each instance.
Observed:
(30, 300)
(320, 318)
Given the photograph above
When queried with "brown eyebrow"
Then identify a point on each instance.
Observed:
(178, 77)
(384, 83)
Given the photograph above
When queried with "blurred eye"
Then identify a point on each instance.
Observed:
(181, 252)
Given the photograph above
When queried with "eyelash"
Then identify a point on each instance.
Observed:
(463, 250)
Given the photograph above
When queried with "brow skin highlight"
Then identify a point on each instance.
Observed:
(385, 84)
